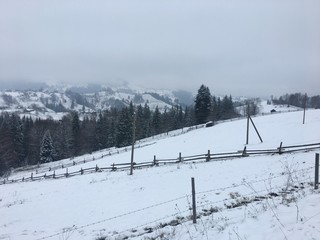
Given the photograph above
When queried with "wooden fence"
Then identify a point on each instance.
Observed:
(206, 157)
(111, 151)
(140, 143)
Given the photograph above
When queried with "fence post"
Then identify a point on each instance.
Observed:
(304, 108)
(113, 167)
(81, 171)
(194, 210)
(280, 152)
(247, 138)
(31, 176)
(180, 158)
(244, 152)
(316, 177)
(97, 168)
(67, 174)
(54, 174)
(154, 160)
(208, 156)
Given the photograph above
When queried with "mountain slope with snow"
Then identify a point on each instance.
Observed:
(150, 203)
(54, 101)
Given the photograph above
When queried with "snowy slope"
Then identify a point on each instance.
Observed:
(117, 205)
(266, 108)
(55, 102)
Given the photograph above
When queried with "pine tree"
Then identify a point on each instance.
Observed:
(101, 132)
(124, 129)
(156, 121)
(75, 137)
(139, 123)
(147, 120)
(202, 104)
(17, 137)
(47, 151)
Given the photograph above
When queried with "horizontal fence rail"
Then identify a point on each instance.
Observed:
(157, 162)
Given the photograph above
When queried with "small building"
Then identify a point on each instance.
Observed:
(209, 124)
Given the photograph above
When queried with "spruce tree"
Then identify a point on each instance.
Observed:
(124, 129)
(47, 151)
(156, 121)
(202, 104)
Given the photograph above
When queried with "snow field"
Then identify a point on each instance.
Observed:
(112, 203)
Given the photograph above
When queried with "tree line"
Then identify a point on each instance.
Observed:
(26, 141)
(298, 100)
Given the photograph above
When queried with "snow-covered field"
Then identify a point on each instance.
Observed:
(148, 204)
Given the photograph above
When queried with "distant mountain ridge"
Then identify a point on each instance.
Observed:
(56, 100)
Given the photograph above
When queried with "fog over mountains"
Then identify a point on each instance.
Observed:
(42, 100)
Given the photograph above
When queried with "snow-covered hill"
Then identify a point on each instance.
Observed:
(233, 197)
(55, 101)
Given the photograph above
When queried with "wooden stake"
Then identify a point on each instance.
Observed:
(244, 152)
(316, 177)
(154, 160)
(133, 141)
(304, 108)
(247, 140)
(194, 210)
(280, 152)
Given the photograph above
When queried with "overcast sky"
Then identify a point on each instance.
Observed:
(238, 47)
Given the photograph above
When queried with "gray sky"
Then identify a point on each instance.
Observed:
(238, 47)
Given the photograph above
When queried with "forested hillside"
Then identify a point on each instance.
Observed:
(25, 141)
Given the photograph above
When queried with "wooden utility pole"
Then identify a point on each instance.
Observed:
(133, 141)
